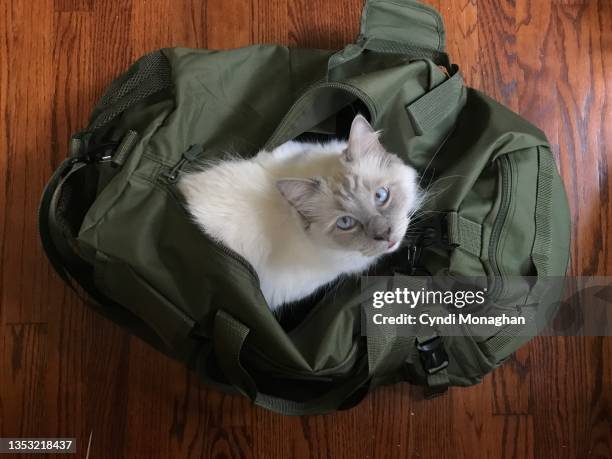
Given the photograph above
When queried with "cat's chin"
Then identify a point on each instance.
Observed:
(393, 247)
(382, 251)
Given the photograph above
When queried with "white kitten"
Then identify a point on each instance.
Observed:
(306, 213)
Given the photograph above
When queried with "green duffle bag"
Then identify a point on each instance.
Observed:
(111, 218)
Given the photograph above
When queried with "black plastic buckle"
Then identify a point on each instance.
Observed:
(433, 355)
(81, 146)
(435, 232)
(428, 232)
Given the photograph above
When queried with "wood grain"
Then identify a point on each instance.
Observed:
(64, 371)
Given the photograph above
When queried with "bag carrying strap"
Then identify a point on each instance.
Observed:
(434, 361)
(389, 351)
(464, 233)
(229, 336)
(542, 246)
(403, 21)
(427, 111)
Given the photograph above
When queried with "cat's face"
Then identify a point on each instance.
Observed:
(366, 206)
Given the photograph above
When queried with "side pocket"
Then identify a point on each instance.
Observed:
(122, 284)
(513, 231)
(533, 240)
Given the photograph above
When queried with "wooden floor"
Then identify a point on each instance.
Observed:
(66, 372)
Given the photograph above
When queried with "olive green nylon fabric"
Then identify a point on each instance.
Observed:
(487, 170)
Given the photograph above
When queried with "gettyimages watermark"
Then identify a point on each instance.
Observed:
(479, 306)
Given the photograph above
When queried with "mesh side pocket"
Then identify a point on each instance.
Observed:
(147, 76)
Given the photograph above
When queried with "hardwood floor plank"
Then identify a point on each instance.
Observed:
(511, 385)
(112, 42)
(167, 23)
(73, 5)
(5, 56)
(462, 38)
(270, 21)
(27, 102)
(65, 375)
(432, 430)
(73, 95)
(66, 371)
(512, 437)
(496, 28)
(23, 357)
(471, 421)
(392, 439)
(565, 374)
(107, 418)
(345, 435)
(229, 23)
(565, 49)
(321, 24)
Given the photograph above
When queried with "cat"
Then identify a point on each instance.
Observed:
(306, 213)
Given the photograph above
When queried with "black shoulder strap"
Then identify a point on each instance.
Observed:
(47, 220)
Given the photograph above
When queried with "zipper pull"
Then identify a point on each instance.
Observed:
(190, 155)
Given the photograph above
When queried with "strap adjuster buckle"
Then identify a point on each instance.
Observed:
(433, 355)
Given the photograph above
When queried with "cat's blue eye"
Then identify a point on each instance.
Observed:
(382, 195)
(346, 222)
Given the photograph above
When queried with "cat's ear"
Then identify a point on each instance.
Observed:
(362, 139)
(300, 193)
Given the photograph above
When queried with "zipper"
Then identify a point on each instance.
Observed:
(369, 103)
(505, 170)
(171, 176)
(237, 258)
(192, 153)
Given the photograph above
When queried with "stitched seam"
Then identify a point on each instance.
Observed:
(438, 21)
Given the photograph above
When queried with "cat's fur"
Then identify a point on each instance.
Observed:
(279, 209)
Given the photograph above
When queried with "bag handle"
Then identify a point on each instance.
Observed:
(229, 336)
(429, 110)
(403, 21)
(404, 27)
(47, 225)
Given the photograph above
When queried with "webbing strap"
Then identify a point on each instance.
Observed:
(387, 352)
(464, 233)
(229, 336)
(427, 111)
(542, 245)
(437, 378)
(514, 336)
(46, 220)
